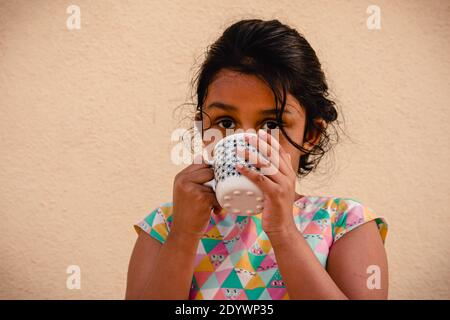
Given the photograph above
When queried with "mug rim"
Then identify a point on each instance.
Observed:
(221, 141)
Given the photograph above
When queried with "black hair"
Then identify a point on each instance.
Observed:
(285, 61)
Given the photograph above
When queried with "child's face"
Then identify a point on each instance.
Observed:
(251, 100)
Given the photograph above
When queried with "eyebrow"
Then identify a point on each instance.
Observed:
(229, 107)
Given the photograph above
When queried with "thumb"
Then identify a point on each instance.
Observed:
(217, 208)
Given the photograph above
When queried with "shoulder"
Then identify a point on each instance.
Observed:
(350, 213)
(342, 213)
(157, 223)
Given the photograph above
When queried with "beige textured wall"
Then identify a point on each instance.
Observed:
(86, 117)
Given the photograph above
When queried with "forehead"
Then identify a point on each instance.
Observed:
(245, 91)
(229, 84)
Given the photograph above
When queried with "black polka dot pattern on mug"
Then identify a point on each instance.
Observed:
(226, 158)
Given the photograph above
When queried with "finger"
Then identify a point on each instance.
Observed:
(268, 151)
(215, 205)
(262, 147)
(273, 142)
(265, 166)
(288, 163)
(200, 175)
(264, 183)
(211, 196)
(283, 155)
(205, 189)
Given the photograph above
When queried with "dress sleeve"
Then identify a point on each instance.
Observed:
(157, 223)
(353, 214)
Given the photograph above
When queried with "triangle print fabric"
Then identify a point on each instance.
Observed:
(235, 260)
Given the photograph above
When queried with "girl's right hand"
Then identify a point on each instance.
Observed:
(193, 201)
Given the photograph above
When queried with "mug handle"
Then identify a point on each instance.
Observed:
(209, 162)
(210, 183)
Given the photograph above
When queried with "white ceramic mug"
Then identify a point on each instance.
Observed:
(234, 192)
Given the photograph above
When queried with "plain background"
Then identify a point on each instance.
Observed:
(86, 118)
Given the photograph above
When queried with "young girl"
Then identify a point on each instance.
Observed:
(263, 76)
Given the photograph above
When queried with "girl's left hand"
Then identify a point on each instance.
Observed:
(277, 185)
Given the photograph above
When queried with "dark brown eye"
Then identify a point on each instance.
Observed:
(226, 123)
(270, 125)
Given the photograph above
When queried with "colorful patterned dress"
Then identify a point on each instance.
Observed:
(235, 260)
